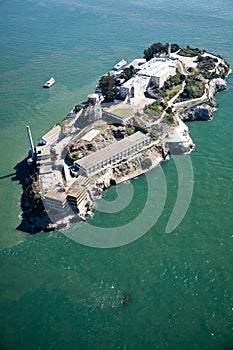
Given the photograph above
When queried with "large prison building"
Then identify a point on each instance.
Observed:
(154, 72)
(100, 159)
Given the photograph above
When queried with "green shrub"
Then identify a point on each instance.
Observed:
(146, 163)
(129, 130)
(170, 118)
(75, 156)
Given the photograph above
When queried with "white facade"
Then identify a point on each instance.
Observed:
(134, 87)
(99, 160)
(55, 201)
(160, 78)
(155, 72)
(159, 69)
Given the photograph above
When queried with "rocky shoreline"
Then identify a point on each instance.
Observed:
(205, 111)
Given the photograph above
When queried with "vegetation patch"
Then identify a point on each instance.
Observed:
(158, 49)
(171, 87)
(194, 88)
(122, 112)
(190, 52)
(63, 122)
(128, 73)
(169, 116)
(129, 130)
(155, 109)
(108, 86)
(146, 163)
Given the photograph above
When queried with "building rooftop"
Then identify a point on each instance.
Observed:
(111, 150)
(50, 179)
(51, 133)
(78, 185)
(120, 64)
(90, 135)
(55, 195)
(134, 80)
(137, 62)
(156, 66)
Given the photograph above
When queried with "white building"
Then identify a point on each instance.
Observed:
(154, 72)
(134, 87)
(159, 70)
(55, 200)
(51, 136)
(103, 158)
(136, 63)
(120, 65)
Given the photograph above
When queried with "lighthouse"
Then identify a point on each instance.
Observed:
(169, 50)
(31, 142)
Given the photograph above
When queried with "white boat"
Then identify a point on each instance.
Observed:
(49, 83)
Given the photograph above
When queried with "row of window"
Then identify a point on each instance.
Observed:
(94, 168)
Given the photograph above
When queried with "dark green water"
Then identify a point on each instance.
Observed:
(58, 294)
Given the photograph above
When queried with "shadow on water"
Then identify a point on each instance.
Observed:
(34, 217)
(6, 176)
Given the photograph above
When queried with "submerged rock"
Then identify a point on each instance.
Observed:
(126, 299)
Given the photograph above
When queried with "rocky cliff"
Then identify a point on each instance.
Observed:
(206, 110)
(201, 112)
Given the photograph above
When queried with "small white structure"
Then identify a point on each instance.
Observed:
(93, 98)
(51, 136)
(49, 83)
(120, 65)
(90, 135)
(136, 63)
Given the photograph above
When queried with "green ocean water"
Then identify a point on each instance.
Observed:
(58, 294)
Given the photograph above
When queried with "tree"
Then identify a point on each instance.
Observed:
(129, 72)
(154, 49)
(108, 86)
(146, 163)
(129, 130)
(159, 48)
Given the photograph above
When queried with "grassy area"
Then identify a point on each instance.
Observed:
(190, 52)
(63, 122)
(122, 112)
(172, 92)
(193, 89)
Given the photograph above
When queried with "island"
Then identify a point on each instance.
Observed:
(131, 123)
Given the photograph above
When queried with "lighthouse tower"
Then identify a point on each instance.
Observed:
(31, 142)
(169, 50)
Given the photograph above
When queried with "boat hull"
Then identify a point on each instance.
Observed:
(49, 83)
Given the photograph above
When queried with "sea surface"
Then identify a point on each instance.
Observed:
(56, 293)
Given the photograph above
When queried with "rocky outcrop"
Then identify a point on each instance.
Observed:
(205, 111)
(217, 85)
(200, 112)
